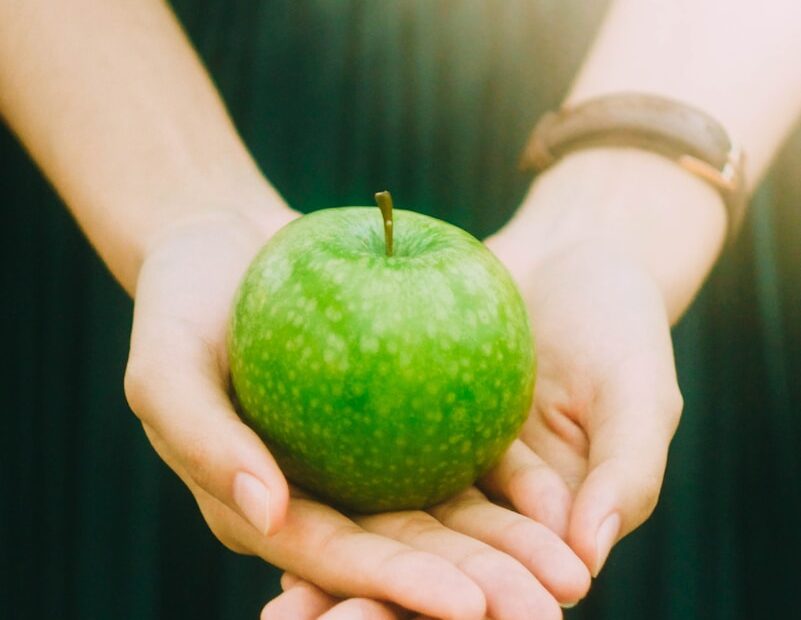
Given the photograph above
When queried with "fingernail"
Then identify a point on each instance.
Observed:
(253, 500)
(604, 539)
(568, 605)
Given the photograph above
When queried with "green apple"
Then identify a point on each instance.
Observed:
(384, 371)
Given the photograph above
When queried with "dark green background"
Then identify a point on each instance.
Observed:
(338, 99)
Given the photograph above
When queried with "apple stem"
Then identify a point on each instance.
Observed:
(384, 200)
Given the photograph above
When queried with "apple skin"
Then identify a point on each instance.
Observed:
(381, 383)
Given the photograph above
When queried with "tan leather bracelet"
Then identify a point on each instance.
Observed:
(685, 134)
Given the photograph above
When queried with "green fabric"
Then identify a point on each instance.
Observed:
(432, 100)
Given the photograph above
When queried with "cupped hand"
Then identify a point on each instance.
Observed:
(607, 401)
(456, 561)
(609, 249)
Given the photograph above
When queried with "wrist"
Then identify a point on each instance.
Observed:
(255, 209)
(631, 203)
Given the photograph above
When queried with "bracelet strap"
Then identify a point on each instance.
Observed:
(687, 135)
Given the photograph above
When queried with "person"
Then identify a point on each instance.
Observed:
(609, 247)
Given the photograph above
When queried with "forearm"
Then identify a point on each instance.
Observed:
(736, 61)
(115, 107)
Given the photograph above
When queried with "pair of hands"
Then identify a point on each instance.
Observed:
(585, 471)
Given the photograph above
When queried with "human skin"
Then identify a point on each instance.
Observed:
(115, 108)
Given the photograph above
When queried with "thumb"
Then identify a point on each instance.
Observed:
(174, 386)
(629, 433)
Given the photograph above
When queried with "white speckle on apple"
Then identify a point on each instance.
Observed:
(335, 342)
(434, 415)
(332, 314)
(368, 344)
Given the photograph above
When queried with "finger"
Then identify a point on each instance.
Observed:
(511, 591)
(302, 602)
(364, 609)
(324, 547)
(288, 580)
(629, 441)
(173, 383)
(536, 547)
(531, 486)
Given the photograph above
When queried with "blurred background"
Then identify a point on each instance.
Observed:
(433, 100)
